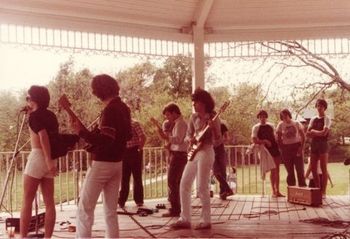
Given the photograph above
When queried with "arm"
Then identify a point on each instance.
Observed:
(279, 133)
(255, 138)
(45, 145)
(308, 170)
(302, 137)
(106, 134)
(190, 131)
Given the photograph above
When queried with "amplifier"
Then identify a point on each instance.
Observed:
(304, 195)
(14, 222)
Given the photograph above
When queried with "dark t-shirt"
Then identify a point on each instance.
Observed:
(43, 119)
(266, 132)
(318, 124)
(116, 120)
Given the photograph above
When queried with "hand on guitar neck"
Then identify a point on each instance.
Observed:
(159, 127)
(76, 124)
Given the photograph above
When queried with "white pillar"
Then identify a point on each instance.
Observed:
(198, 60)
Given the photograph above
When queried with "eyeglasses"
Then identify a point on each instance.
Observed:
(28, 98)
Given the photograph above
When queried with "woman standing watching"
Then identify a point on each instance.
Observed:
(264, 133)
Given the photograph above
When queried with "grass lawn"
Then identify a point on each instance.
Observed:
(66, 189)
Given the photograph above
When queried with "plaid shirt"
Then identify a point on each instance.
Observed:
(137, 134)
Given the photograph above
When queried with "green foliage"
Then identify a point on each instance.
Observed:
(10, 120)
(240, 116)
(178, 72)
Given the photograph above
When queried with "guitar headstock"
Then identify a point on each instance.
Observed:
(63, 102)
(224, 106)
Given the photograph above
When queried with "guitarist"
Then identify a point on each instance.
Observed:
(177, 155)
(109, 145)
(202, 162)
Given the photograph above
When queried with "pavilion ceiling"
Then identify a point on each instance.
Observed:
(223, 20)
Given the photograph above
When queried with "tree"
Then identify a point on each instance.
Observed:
(178, 70)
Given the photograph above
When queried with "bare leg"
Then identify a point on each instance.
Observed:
(275, 178)
(323, 163)
(30, 186)
(47, 188)
(313, 165)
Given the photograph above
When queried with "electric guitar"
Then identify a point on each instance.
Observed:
(64, 103)
(196, 146)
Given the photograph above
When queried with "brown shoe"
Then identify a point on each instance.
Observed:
(171, 214)
(180, 225)
(203, 226)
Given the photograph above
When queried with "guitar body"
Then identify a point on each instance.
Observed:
(193, 150)
(195, 147)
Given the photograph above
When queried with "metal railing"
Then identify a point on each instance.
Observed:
(73, 168)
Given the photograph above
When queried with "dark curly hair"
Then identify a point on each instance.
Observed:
(285, 112)
(204, 97)
(321, 102)
(262, 113)
(172, 108)
(104, 86)
(40, 95)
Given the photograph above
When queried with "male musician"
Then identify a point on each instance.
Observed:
(108, 147)
(202, 162)
(177, 155)
(220, 163)
(132, 164)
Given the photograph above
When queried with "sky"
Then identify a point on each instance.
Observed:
(21, 67)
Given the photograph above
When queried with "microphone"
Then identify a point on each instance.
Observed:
(347, 161)
(24, 109)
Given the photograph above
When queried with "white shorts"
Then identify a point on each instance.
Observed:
(36, 166)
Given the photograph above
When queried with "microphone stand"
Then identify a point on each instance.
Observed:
(9, 171)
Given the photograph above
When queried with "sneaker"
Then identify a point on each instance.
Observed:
(171, 214)
(203, 226)
(139, 204)
(180, 225)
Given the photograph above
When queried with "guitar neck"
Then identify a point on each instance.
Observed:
(71, 114)
(206, 128)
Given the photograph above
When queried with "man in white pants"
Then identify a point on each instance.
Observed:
(202, 162)
(108, 146)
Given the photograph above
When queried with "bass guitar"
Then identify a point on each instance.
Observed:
(196, 146)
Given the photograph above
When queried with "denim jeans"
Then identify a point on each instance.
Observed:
(178, 162)
(101, 177)
(200, 167)
(219, 168)
(132, 164)
(292, 160)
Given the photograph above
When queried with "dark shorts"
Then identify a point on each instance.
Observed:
(319, 147)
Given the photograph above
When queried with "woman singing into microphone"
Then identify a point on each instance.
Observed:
(40, 168)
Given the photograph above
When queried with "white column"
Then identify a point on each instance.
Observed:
(198, 61)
